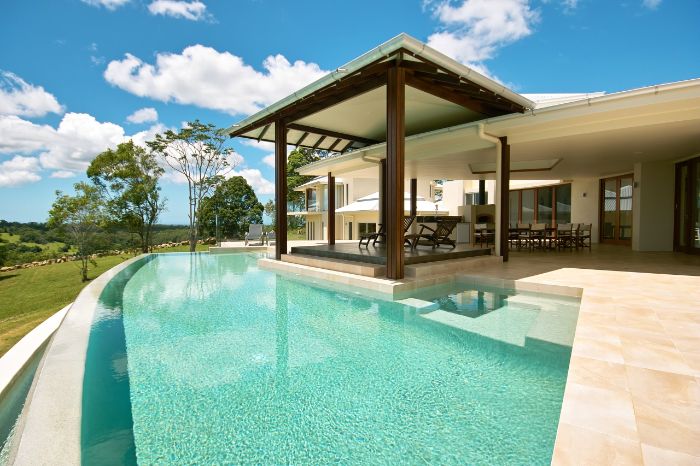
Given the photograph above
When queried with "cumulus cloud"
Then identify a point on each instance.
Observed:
(211, 79)
(144, 115)
(19, 170)
(66, 149)
(269, 160)
(194, 10)
(262, 145)
(474, 30)
(651, 4)
(256, 180)
(17, 97)
(109, 4)
(62, 174)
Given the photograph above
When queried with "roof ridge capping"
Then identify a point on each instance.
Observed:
(385, 49)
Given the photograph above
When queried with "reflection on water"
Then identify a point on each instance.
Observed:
(471, 303)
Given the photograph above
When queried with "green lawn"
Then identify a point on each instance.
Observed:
(48, 247)
(29, 296)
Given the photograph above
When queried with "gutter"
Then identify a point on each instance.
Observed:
(499, 169)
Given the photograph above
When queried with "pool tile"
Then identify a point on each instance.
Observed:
(587, 347)
(579, 446)
(608, 412)
(668, 426)
(654, 456)
(597, 373)
(649, 385)
(653, 353)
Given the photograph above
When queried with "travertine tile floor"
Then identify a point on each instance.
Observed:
(633, 390)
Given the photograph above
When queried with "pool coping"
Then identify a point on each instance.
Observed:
(52, 417)
(20, 354)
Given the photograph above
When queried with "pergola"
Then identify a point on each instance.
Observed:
(400, 89)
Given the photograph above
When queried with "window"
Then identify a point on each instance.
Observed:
(310, 200)
(562, 194)
(546, 204)
(364, 228)
(527, 206)
(339, 196)
(513, 207)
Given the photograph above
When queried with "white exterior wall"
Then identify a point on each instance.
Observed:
(653, 206)
(585, 204)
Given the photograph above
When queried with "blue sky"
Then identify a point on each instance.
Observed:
(78, 76)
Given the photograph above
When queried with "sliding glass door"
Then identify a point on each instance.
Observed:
(687, 212)
(616, 209)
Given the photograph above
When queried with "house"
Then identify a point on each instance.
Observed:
(625, 162)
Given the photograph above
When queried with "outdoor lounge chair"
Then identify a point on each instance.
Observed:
(436, 236)
(270, 236)
(255, 233)
(374, 237)
(380, 235)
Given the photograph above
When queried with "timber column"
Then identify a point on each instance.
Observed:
(281, 188)
(504, 188)
(331, 209)
(395, 143)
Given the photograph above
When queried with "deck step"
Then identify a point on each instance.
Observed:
(338, 265)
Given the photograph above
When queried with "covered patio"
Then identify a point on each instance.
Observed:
(400, 89)
(405, 111)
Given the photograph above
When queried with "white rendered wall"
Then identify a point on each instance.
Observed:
(584, 204)
(653, 206)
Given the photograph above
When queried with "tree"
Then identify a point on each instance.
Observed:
(80, 217)
(237, 206)
(128, 178)
(270, 211)
(197, 152)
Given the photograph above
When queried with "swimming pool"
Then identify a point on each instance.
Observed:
(208, 359)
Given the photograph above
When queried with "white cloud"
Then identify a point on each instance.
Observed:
(193, 10)
(144, 115)
(208, 78)
(262, 145)
(570, 5)
(19, 170)
(109, 4)
(62, 174)
(17, 97)
(651, 4)
(71, 146)
(474, 30)
(269, 160)
(256, 180)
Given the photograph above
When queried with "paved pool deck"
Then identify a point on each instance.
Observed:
(633, 389)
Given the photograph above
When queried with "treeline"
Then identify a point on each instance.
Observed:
(33, 241)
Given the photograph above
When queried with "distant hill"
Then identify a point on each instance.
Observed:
(34, 241)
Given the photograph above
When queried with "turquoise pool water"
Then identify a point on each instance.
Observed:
(206, 359)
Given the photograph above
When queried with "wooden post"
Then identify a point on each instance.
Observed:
(414, 197)
(382, 192)
(504, 187)
(395, 143)
(331, 209)
(482, 192)
(281, 188)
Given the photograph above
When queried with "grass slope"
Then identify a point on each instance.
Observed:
(30, 296)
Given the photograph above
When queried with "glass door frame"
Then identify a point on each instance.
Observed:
(692, 166)
(601, 210)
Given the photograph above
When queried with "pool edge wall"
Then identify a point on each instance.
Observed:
(52, 418)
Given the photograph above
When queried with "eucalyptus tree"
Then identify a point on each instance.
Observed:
(198, 153)
(235, 204)
(128, 178)
(80, 218)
